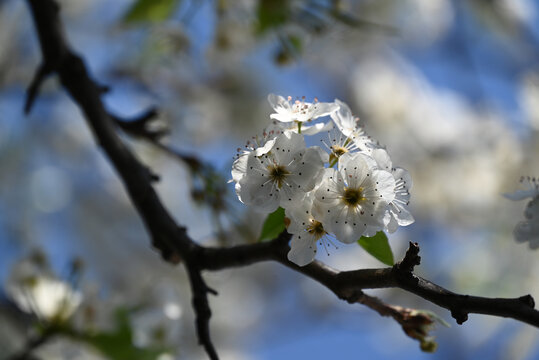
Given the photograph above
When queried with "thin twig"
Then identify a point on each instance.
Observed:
(202, 308)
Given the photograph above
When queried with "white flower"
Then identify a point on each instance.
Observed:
(239, 166)
(349, 126)
(258, 145)
(531, 191)
(282, 175)
(344, 120)
(338, 145)
(307, 231)
(48, 298)
(528, 230)
(354, 197)
(398, 213)
(286, 111)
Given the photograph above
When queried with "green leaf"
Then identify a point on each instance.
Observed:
(273, 226)
(378, 246)
(118, 344)
(271, 14)
(150, 10)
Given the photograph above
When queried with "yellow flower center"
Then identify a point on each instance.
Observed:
(353, 197)
(338, 150)
(317, 229)
(277, 174)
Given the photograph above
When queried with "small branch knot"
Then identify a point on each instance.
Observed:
(171, 256)
(459, 316)
(182, 230)
(352, 296)
(528, 300)
(410, 260)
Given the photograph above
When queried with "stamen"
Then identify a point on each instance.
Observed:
(277, 174)
(353, 196)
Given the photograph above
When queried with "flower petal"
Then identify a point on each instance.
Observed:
(305, 173)
(344, 119)
(239, 167)
(316, 128)
(520, 194)
(302, 249)
(354, 169)
(331, 187)
(527, 231)
(288, 146)
(349, 228)
(382, 159)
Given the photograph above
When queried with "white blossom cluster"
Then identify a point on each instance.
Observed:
(343, 191)
(528, 230)
(36, 291)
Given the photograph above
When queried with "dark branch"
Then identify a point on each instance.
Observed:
(348, 285)
(33, 90)
(140, 126)
(202, 308)
(171, 240)
(31, 345)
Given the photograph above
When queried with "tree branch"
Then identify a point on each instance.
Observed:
(347, 285)
(175, 245)
(171, 240)
(202, 308)
(31, 345)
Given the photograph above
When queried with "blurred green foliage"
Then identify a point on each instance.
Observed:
(272, 14)
(151, 10)
(118, 344)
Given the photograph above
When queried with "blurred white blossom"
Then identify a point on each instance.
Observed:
(528, 230)
(48, 298)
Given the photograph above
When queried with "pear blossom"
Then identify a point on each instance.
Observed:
(281, 175)
(349, 126)
(397, 213)
(344, 120)
(50, 299)
(306, 232)
(258, 145)
(354, 197)
(528, 230)
(300, 111)
(338, 145)
(531, 190)
(363, 195)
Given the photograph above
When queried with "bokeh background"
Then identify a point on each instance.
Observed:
(450, 87)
